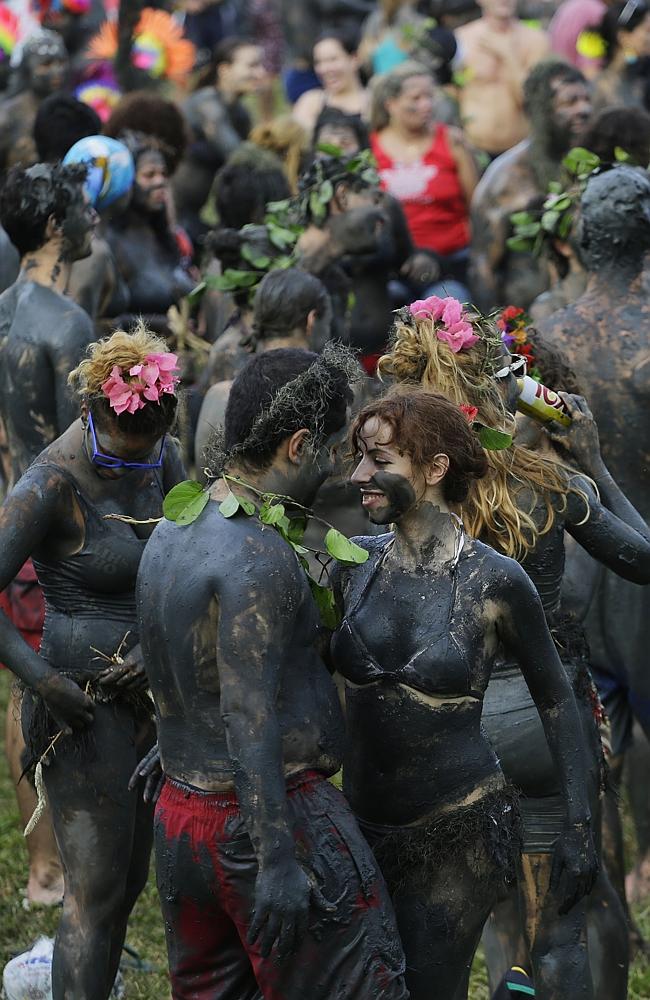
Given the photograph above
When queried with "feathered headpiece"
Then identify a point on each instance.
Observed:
(159, 48)
(9, 30)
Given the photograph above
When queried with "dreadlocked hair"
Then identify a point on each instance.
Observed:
(501, 506)
(265, 406)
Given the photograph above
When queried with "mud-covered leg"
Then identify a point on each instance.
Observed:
(441, 930)
(503, 940)
(94, 817)
(557, 944)
(637, 762)
(45, 883)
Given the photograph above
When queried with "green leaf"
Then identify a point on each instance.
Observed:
(343, 550)
(326, 192)
(193, 509)
(581, 161)
(260, 262)
(275, 207)
(550, 220)
(493, 440)
(316, 207)
(297, 528)
(229, 506)
(180, 497)
(280, 236)
(271, 513)
(326, 604)
(565, 225)
(521, 218)
(330, 149)
(520, 244)
(621, 155)
(232, 279)
(554, 187)
(247, 506)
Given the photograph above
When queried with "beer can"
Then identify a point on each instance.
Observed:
(540, 403)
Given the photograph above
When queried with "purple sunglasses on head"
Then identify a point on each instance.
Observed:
(112, 461)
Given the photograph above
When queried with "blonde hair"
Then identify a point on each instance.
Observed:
(386, 86)
(495, 508)
(122, 349)
(288, 140)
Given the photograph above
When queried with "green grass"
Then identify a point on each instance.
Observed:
(19, 928)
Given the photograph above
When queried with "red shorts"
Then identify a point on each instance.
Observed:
(23, 604)
(206, 870)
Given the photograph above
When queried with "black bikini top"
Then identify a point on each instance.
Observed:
(441, 668)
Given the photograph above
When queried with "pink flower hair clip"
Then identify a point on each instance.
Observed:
(450, 320)
(144, 383)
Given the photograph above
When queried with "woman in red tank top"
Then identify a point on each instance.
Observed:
(424, 164)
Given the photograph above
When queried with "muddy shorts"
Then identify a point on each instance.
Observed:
(206, 870)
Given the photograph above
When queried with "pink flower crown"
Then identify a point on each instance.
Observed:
(453, 327)
(147, 383)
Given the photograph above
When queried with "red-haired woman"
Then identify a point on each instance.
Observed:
(423, 619)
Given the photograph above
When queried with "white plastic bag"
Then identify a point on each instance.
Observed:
(29, 976)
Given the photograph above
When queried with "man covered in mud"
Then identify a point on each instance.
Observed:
(266, 885)
(43, 71)
(606, 335)
(43, 335)
(558, 105)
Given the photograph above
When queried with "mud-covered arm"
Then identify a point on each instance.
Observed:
(66, 350)
(258, 595)
(611, 529)
(259, 600)
(215, 136)
(523, 630)
(28, 515)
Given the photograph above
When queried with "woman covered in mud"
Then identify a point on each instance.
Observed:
(86, 711)
(423, 619)
(522, 509)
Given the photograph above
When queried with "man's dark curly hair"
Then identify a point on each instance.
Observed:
(29, 198)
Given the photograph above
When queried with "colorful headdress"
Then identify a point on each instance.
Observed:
(45, 9)
(450, 320)
(128, 392)
(513, 323)
(111, 170)
(9, 31)
(101, 93)
(159, 48)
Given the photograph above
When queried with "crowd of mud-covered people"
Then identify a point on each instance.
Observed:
(325, 455)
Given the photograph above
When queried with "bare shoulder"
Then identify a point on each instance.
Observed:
(507, 177)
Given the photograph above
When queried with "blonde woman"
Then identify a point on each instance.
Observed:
(522, 508)
(86, 687)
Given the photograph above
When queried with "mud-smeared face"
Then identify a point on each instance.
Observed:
(570, 114)
(151, 181)
(388, 482)
(47, 62)
(78, 228)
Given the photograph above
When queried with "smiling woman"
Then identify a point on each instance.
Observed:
(422, 622)
(86, 687)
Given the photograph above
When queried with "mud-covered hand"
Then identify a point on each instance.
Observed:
(149, 768)
(128, 675)
(282, 892)
(575, 866)
(68, 705)
(580, 439)
(421, 268)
